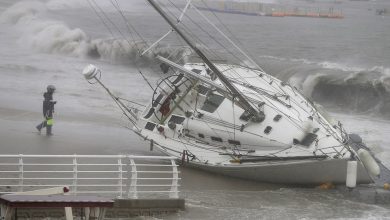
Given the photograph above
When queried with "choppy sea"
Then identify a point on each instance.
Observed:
(342, 64)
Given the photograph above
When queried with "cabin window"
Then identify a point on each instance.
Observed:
(176, 119)
(234, 142)
(218, 139)
(196, 71)
(277, 117)
(203, 89)
(150, 126)
(212, 102)
(178, 78)
(201, 135)
(245, 116)
(308, 139)
(268, 129)
(158, 100)
(151, 110)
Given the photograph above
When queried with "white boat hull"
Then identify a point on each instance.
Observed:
(290, 172)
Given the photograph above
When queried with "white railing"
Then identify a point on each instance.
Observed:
(122, 176)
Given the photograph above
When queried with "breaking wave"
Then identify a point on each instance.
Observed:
(366, 91)
(338, 86)
(52, 36)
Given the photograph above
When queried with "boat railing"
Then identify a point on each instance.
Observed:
(120, 176)
(331, 151)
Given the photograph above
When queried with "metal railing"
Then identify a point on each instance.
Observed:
(122, 176)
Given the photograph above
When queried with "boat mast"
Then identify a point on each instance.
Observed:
(257, 116)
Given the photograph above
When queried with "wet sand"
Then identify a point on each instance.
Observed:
(72, 135)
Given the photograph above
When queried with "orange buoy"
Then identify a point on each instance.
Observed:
(327, 185)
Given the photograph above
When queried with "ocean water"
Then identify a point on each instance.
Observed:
(342, 64)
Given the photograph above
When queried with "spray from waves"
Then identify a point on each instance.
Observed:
(52, 36)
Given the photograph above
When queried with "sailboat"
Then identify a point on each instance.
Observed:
(241, 122)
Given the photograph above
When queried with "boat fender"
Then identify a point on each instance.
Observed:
(368, 161)
(351, 174)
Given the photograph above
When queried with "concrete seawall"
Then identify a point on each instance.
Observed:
(123, 208)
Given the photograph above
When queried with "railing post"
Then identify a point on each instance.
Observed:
(133, 184)
(120, 182)
(75, 174)
(21, 173)
(174, 194)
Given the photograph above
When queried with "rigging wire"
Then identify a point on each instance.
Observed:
(121, 34)
(225, 36)
(206, 32)
(101, 18)
(199, 26)
(189, 33)
(231, 34)
(128, 24)
(108, 19)
(211, 37)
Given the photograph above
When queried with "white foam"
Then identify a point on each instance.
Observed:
(339, 66)
(248, 63)
(52, 36)
(310, 82)
(43, 34)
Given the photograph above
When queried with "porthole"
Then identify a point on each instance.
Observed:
(277, 117)
(216, 139)
(234, 142)
(268, 129)
(150, 126)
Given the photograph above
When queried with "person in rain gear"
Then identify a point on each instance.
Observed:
(48, 110)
